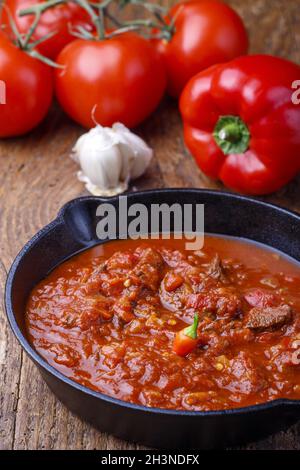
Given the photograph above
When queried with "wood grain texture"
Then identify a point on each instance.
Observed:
(37, 177)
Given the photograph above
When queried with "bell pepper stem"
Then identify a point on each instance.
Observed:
(232, 135)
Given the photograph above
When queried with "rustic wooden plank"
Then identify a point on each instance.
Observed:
(37, 178)
(10, 367)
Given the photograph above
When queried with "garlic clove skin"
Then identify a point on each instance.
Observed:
(97, 191)
(141, 153)
(99, 156)
(109, 158)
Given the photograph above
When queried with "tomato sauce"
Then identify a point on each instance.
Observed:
(107, 319)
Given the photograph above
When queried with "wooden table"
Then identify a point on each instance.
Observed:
(37, 177)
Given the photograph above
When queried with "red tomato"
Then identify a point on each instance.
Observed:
(206, 32)
(59, 18)
(27, 85)
(118, 79)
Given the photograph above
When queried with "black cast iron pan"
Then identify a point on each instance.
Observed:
(74, 230)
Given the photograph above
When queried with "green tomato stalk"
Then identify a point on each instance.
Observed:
(25, 43)
(99, 12)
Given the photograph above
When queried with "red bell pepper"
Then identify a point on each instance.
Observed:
(241, 125)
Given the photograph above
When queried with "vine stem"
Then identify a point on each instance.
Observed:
(36, 55)
(123, 29)
(32, 29)
(98, 11)
(97, 19)
(104, 4)
(141, 23)
(166, 28)
(39, 8)
(22, 41)
(18, 38)
(112, 18)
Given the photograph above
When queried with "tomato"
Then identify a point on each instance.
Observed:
(59, 18)
(206, 32)
(260, 298)
(27, 85)
(118, 79)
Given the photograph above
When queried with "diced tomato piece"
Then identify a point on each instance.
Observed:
(260, 298)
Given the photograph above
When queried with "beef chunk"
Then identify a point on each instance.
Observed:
(175, 299)
(262, 318)
(149, 269)
(215, 269)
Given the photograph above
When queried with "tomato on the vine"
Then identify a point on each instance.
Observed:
(60, 19)
(28, 90)
(204, 33)
(121, 78)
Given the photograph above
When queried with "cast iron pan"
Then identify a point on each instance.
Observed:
(74, 230)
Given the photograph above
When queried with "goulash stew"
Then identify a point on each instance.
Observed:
(151, 323)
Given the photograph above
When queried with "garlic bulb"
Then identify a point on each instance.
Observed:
(109, 158)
